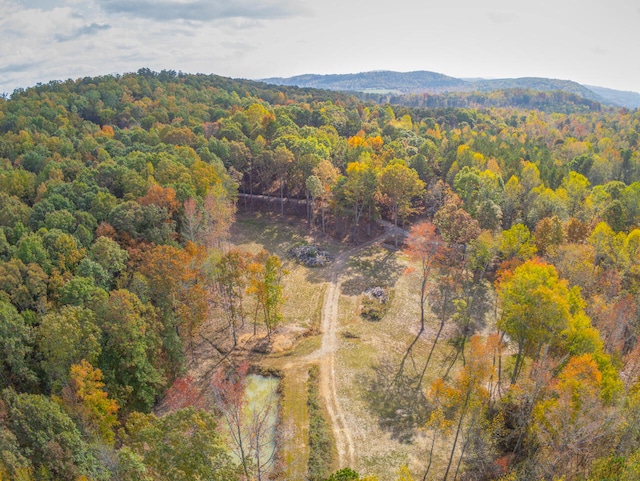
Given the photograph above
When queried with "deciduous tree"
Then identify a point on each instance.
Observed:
(87, 401)
(180, 446)
(15, 349)
(64, 338)
(358, 190)
(398, 186)
(535, 308)
(266, 285)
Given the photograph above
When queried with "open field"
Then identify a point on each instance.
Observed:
(366, 344)
(360, 347)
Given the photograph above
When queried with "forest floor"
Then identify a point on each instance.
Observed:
(324, 327)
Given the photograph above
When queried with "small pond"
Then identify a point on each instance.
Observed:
(262, 406)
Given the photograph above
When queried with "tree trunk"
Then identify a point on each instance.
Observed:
(517, 367)
(455, 440)
(251, 187)
(358, 213)
(245, 199)
(282, 199)
(395, 223)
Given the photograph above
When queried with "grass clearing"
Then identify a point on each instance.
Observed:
(304, 286)
(321, 444)
(361, 345)
(295, 419)
(304, 291)
(366, 343)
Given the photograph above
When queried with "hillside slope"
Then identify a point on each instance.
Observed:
(399, 83)
(536, 83)
(622, 98)
(394, 82)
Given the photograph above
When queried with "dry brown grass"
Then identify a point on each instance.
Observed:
(378, 451)
(303, 286)
(304, 290)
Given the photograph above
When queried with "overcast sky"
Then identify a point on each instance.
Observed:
(591, 42)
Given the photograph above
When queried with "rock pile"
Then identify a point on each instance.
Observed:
(378, 293)
(310, 256)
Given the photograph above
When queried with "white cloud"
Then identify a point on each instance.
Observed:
(57, 39)
(92, 29)
(203, 10)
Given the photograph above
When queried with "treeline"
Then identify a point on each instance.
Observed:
(113, 248)
(116, 198)
(521, 98)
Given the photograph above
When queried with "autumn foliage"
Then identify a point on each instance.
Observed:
(118, 271)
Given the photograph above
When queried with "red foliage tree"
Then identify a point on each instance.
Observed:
(183, 393)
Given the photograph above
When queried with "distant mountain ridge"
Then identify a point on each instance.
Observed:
(422, 81)
(383, 80)
(624, 98)
(537, 83)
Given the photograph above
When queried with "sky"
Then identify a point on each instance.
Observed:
(588, 41)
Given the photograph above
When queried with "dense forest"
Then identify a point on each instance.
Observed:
(117, 194)
(529, 99)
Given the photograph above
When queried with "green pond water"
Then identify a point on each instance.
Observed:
(262, 401)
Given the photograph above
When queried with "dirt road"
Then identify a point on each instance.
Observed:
(295, 368)
(327, 357)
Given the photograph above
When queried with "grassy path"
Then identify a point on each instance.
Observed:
(295, 367)
(343, 438)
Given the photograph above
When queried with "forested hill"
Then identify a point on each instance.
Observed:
(117, 194)
(396, 83)
(555, 101)
(381, 81)
(537, 83)
(619, 97)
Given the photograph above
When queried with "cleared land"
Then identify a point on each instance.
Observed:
(324, 326)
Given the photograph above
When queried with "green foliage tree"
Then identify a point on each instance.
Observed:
(24, 285)
(517, 243)
(328, 175)
(577, 188)
(266, 274)
(398, 185)
(15, 349)
(30, 249)
(358, 191)
(130, 349)
(13, 464)
(13, 211)
(180, 446)
(535, 308)
(49, 438)
(109, 255)
(66, 337)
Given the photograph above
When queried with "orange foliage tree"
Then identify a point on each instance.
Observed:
(84, 396)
